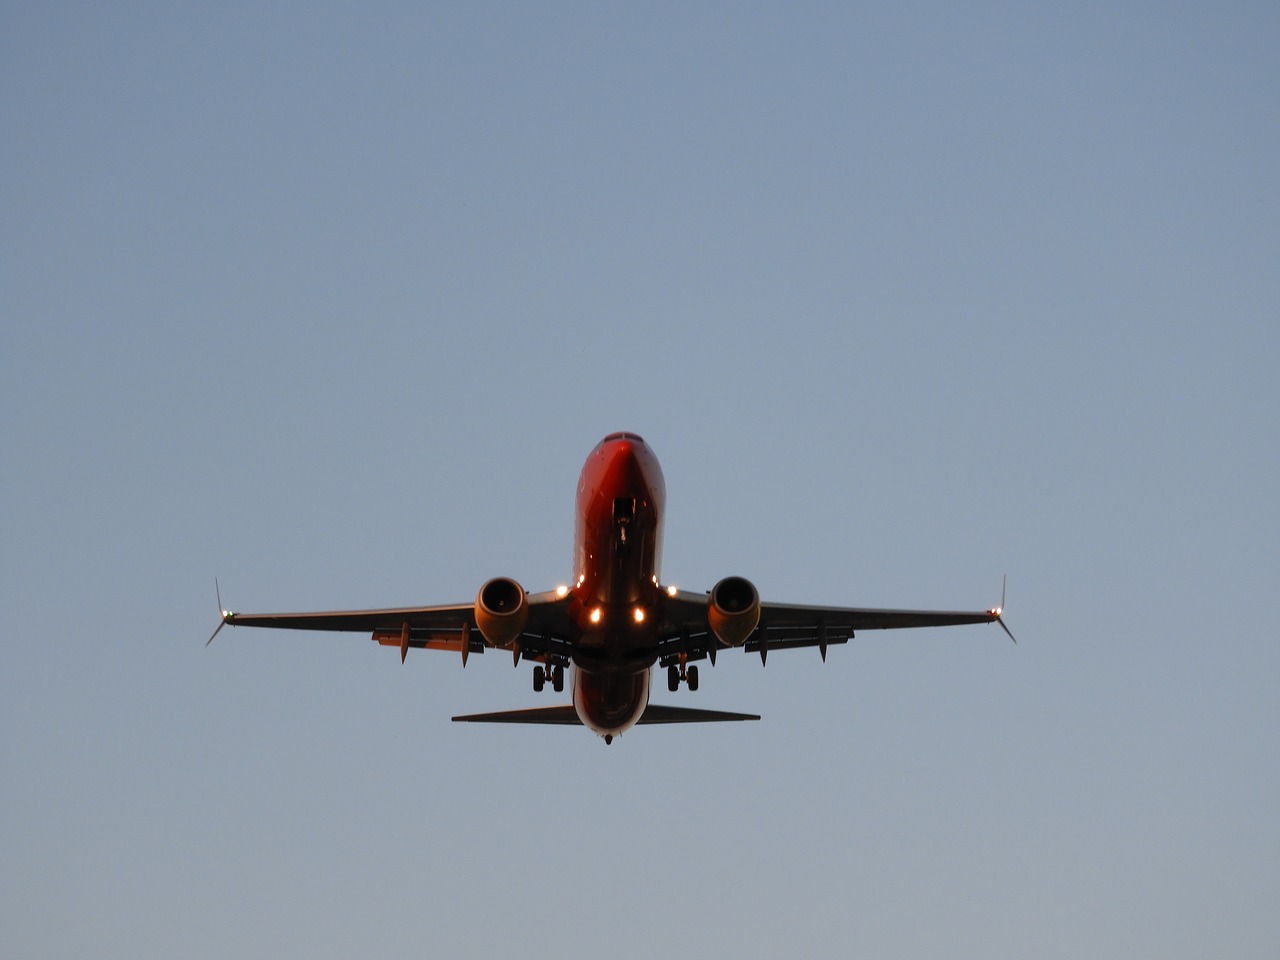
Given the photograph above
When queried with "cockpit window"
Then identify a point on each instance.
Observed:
(624, 436)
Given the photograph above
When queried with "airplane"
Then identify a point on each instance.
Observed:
(617, 620)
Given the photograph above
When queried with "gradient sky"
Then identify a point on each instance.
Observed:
(332, 301)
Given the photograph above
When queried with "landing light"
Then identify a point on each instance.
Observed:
(595, 615)
(672, 591)
(639, 614)
(562, 591)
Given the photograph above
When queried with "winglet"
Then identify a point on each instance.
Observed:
(1006, 630)
(226, 615)
(998, 612)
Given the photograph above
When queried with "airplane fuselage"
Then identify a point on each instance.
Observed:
(616, 591)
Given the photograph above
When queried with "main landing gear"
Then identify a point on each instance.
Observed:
(542, 674)
(678, 672)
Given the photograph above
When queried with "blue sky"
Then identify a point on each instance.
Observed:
(332, 301)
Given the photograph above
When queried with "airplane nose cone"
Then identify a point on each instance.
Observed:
(627, 467)
(621, 468)
(621, 447)
(624, 453)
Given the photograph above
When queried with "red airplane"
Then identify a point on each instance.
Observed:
(617, 619)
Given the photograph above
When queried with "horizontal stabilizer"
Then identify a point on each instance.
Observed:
(663, 713)
(564, 714)
(653, 713)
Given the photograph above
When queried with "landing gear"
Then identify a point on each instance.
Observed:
(542, 674)
(678, 672)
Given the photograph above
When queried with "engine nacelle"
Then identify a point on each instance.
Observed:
(501, 611)
(733, 611)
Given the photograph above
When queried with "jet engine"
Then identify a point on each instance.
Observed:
(501, 611)
(733, 611)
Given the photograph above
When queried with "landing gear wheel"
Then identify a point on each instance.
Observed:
(673, 678)
(539, 678)
(557, 678)
(691, 678)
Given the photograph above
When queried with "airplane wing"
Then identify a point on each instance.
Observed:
(787, 625)
(449, 627)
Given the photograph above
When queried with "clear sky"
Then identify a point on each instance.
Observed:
(331, 302)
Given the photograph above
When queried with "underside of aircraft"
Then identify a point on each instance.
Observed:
(616, 621)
